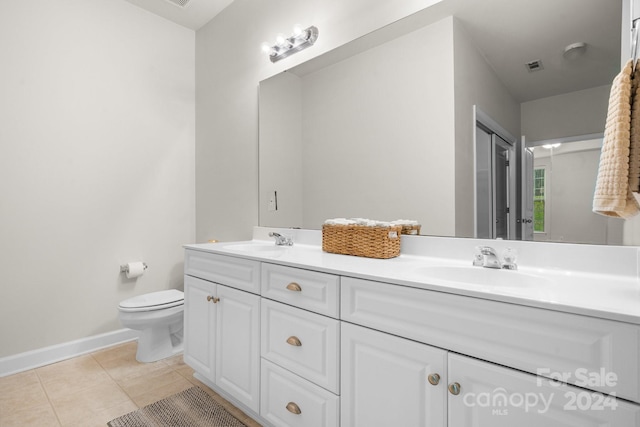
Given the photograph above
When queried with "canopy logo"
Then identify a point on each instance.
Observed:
(555, 393)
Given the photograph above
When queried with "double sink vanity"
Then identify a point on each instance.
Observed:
(295, 336)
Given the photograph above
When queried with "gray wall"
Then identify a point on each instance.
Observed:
(280, 151)
(378, 134)
(577, 113)
(96, 167)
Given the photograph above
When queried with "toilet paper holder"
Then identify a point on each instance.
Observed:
(125, 268)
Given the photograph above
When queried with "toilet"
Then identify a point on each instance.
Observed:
(159, 318)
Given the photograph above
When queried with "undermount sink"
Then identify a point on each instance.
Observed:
(485, 277)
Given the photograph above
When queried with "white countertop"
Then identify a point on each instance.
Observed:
(603, 295)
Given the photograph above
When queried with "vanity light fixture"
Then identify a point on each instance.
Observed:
(285, 46)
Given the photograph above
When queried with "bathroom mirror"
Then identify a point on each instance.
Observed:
(385, 127)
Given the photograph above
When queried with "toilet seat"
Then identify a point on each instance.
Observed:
(153, 301)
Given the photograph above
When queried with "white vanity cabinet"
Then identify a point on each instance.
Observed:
(297, 347)
(390, 380)
(222, 335)
(526, 338)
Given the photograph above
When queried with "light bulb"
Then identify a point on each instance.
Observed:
(281, 40)
(265, 47)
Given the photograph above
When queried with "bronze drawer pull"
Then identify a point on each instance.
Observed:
(293, 408)
(293, 286)
(294, 341)
(212, 298)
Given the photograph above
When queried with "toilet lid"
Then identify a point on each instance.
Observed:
(153, 301)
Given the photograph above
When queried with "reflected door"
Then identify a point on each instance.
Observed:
(500, 159)
(493, 186)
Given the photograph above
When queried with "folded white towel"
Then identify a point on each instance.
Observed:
(404, 222)
(358, 221)
(340, 221)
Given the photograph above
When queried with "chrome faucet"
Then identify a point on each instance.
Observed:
(487, 257)
(281, 240)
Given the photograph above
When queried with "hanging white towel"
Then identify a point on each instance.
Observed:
(613, 196)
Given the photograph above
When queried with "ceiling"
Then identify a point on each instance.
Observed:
(509, 33)
(188, 13)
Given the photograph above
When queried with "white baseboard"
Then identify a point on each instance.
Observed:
(55, 353)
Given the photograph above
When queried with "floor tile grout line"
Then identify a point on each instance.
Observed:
(116, 382)
(46, 393)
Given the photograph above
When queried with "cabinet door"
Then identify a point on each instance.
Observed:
(237, 354)
(495, 396)
(199, 321)
(385, 380)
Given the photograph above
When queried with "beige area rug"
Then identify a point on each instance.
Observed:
(189, 408)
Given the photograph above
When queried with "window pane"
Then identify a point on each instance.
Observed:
(538, 200)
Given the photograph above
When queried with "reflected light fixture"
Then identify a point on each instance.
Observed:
(285, 46)
(550, 146)
(574, 51)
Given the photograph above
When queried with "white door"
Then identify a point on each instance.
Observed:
(199, 325)
(495, 396)
(385, 380)
(237, 353)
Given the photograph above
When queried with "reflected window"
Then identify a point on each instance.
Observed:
(539, 181)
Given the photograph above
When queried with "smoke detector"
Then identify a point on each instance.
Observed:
(534, 65)
(180, 3)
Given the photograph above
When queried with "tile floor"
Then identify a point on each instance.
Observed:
(93, 389)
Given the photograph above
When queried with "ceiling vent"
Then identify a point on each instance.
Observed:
(534, 65)
(180, 3)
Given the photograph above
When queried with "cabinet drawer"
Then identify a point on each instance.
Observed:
(237, 273)
(526, 338)
(280, 389)
(317, 292)
(304, 343)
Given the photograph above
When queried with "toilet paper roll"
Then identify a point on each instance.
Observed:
(135, 269)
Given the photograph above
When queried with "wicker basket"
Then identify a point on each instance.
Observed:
(361, 240)
(411, 229)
